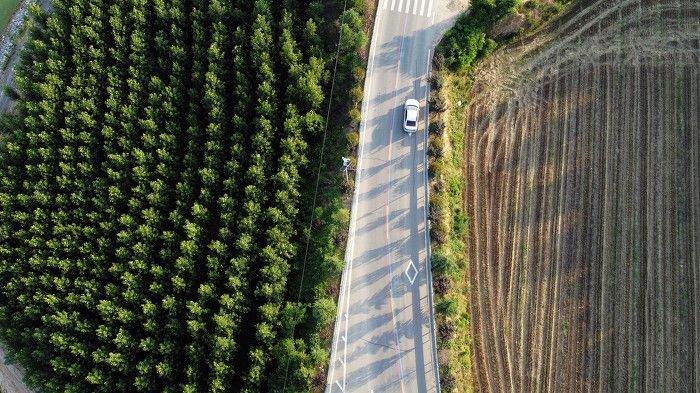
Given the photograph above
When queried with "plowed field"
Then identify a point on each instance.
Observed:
(583, 188)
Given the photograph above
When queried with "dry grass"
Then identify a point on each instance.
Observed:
(583, 194)
(447, 197)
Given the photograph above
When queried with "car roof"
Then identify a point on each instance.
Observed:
(412, 114)
(412, 102)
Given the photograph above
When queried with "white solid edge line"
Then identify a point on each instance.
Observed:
(346, 278)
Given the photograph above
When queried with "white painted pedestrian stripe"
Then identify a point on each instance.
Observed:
(407, 9)
(411, 272)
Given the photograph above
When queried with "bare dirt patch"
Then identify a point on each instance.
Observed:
(582, 188)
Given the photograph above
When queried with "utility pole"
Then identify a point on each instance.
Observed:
(346, 168)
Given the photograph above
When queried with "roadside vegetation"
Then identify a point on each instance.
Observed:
(158, 188)
(485, 27)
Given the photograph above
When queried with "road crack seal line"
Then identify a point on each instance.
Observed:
(378, 344)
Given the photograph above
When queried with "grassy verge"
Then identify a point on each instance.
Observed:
(331, 214)
(449, 232)
(487, 26)
(7, 8)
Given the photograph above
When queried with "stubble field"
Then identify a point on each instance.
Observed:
(583, 193)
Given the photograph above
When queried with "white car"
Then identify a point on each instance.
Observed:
(410, 115)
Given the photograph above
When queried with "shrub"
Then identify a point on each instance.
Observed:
(443, 265)
(355, 116)
(437, 128)
(323, 311)
(353, 139)
(436, 147)
(356, 94)
(441, 284)
(358, 74)
(466, 42)
(446, 331)
(447, 307)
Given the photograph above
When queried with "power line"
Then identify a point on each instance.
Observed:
(318, 174)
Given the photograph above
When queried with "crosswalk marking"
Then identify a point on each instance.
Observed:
(407, 9)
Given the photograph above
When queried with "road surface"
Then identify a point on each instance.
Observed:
(384, 337)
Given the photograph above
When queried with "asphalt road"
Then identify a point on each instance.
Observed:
(384, 337)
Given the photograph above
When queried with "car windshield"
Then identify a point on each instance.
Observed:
(410, 123)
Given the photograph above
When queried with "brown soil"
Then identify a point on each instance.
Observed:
(584, 196)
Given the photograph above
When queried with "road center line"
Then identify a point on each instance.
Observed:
(388, 201)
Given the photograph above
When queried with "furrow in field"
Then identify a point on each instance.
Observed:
(583, 182)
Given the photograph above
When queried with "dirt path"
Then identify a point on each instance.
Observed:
(582, 173)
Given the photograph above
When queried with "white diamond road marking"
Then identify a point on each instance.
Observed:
(414, 272)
